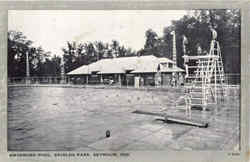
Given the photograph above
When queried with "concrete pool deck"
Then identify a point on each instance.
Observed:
(75, 119)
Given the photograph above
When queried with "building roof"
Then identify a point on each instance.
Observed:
(81, 70)
(135, 64)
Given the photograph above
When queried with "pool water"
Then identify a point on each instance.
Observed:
(70, 119)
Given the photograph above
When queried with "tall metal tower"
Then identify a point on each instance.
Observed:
(208, 76)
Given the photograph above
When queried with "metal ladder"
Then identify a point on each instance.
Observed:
(208, 74)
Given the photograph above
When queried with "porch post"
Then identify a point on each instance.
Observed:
(119, 79)
(101, 80)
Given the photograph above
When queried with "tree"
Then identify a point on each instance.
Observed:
(71, 54)
(100, 49)
(196, 28)
(76, 55)
(154, 45)
(114, 47)
(122, 51)
(130, 52)
(18, 46)
(51, 67)
(151, 39)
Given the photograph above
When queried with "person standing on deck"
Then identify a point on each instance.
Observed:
(214, 36)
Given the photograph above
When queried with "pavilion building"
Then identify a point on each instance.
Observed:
(126, 70)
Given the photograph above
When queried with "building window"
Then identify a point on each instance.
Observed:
(170, 65)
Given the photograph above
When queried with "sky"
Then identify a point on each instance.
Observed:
(51, 29)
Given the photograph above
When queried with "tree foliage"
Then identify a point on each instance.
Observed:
(195, 26)
(76, 55)
(39, 62)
